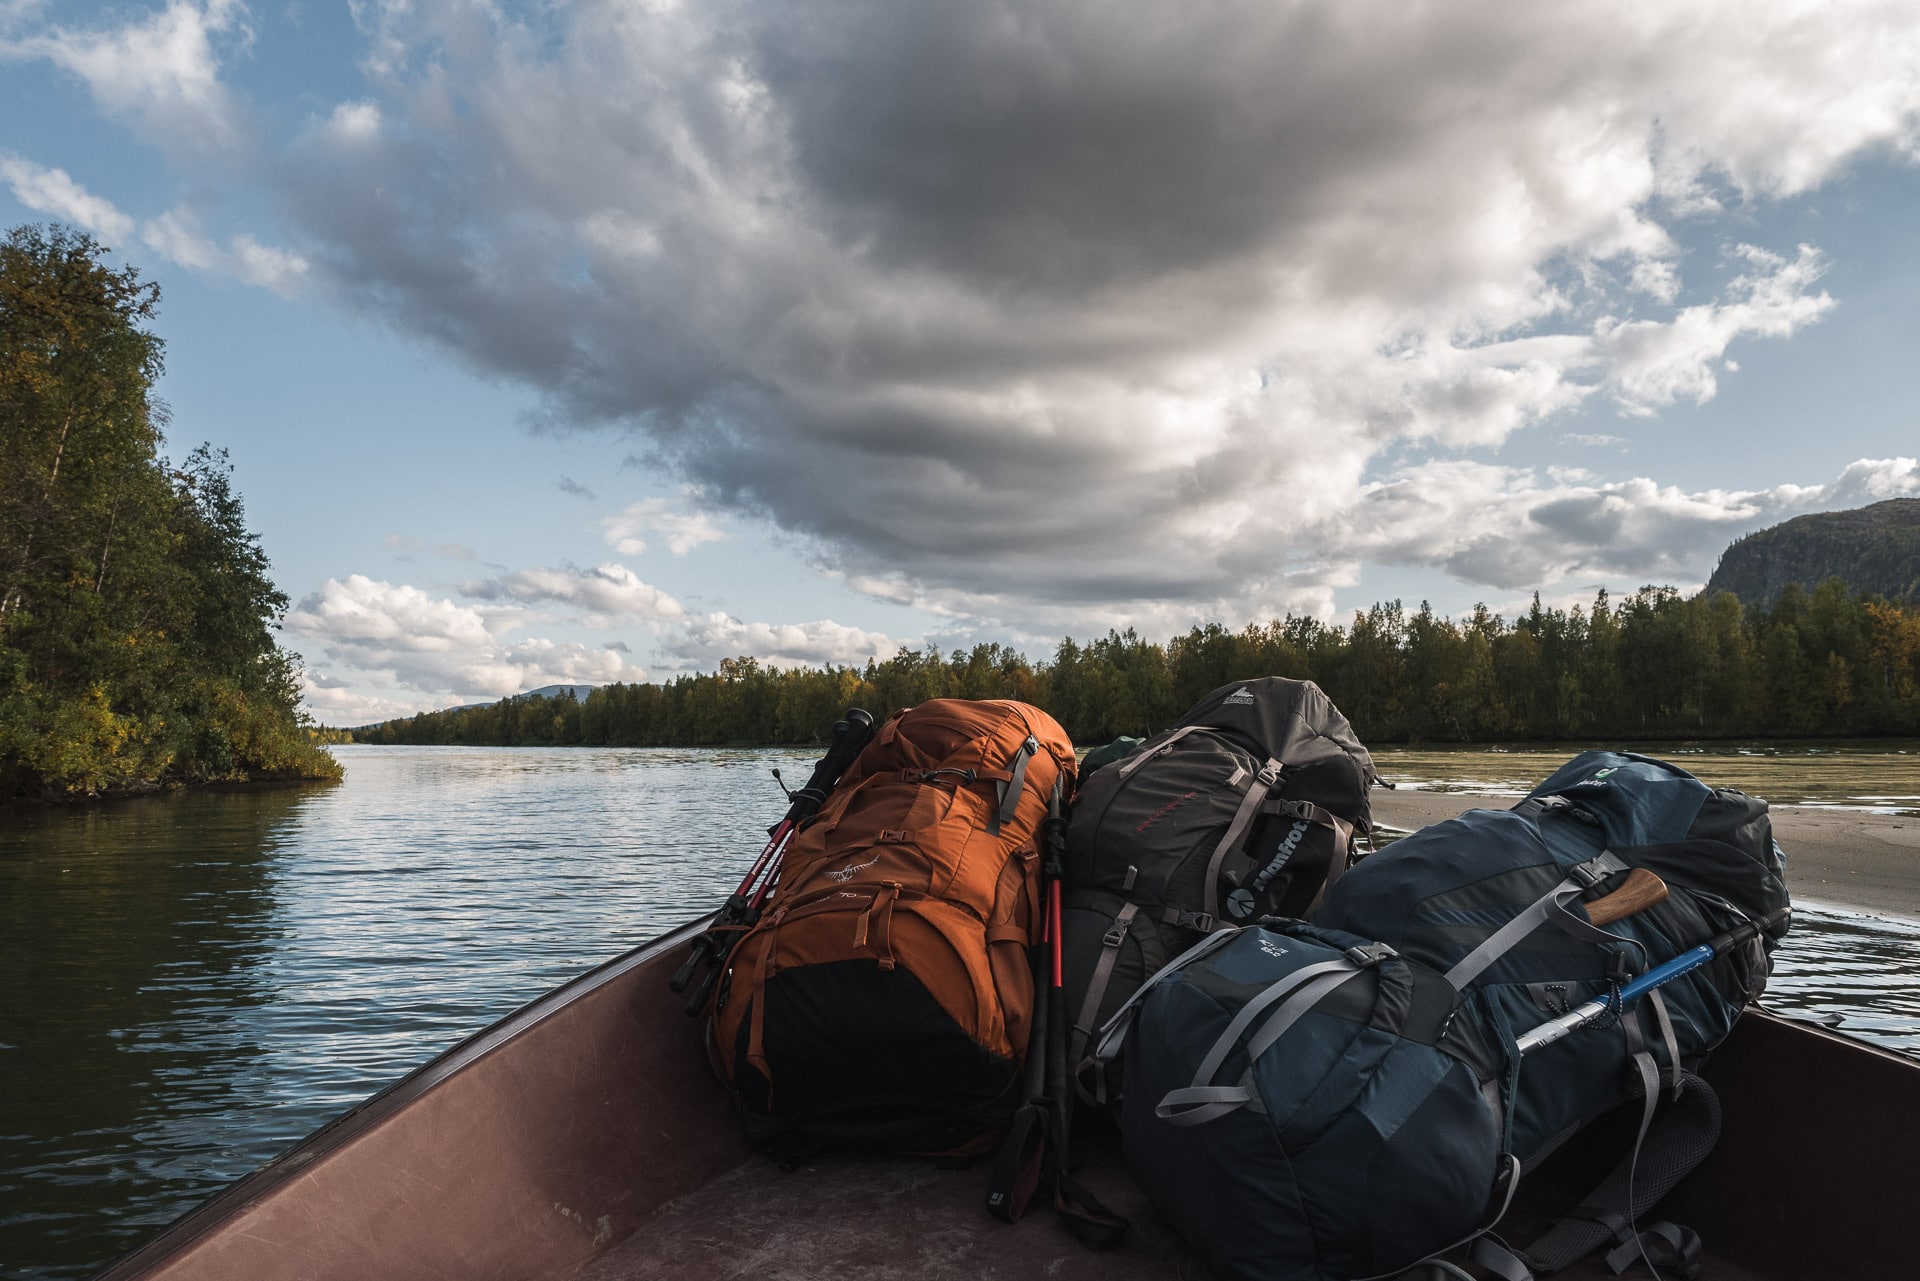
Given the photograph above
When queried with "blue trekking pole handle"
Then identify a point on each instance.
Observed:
(1601, 1006)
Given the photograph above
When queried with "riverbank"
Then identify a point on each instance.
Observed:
(1847, 858)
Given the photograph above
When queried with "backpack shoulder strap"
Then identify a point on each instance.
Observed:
(1678, 1139)
(1236, 835)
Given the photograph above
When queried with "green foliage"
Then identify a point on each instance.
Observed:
(1874, 548)
(136, 615)
(1655, 666)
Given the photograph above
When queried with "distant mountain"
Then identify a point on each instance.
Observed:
(580, 693)
(1875, 549)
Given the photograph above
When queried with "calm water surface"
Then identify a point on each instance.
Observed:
(190, 984)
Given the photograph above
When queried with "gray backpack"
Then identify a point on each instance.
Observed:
(1244, 809)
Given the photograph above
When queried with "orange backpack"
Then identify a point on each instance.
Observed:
(885, 996)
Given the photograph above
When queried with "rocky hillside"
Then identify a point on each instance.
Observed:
(1875, 549)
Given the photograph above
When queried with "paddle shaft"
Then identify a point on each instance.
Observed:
(1597, 1009)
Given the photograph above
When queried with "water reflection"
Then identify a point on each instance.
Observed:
(1857, 974)
(133, 942)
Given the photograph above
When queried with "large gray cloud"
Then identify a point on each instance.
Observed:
(1018, 310)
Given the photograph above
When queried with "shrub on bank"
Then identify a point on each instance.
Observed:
(136, 614)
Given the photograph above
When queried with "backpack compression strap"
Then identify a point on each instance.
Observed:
(1297, 993)
(1551, 906)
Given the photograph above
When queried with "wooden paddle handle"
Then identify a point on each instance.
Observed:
(1640, 891)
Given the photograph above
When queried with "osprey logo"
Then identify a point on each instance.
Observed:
(846, 873)
(1242, 695)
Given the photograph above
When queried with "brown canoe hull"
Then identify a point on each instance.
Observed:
(584, 1136)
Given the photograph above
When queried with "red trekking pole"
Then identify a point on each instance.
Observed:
(742, 908)
(1033, 1157)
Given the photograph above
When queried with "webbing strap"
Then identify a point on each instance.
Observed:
(1202, 1102)
(1663, 1245)
(1102, 975)
(1197, 1104)
(1277, 991)
(1549, 906)
(1011, 789)
(1142, 756)
(1236, 833)
(1289, 1014)
(757, 1021)
(1650, 1103)
(1497, 1259)
(1664, 1021)
(1676, 1141)
(1113, 1033)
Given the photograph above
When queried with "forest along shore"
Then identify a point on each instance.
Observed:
(1848, 858)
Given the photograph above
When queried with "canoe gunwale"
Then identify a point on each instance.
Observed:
(337, 1132)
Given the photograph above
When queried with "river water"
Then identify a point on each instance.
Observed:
(189, 984)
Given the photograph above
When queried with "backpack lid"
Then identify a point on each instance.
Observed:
(1289, 720)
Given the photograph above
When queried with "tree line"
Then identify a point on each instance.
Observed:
(136, 614)
(1656, 665)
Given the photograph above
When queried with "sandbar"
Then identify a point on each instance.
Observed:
(1851, 859)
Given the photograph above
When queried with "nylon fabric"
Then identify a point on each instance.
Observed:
(1240, 811)
(1298, 1167)
(917, 883)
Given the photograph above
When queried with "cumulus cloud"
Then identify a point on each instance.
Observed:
(397, 634)
(1514, 529)
(707, 639)
(379, 650)
(54, 192)
(683, 529)
(174, 235)
(160, 70)
(605, 596)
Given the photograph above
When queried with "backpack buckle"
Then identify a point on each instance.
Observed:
(1117, 935)
(1368, 955)
(1269, 774)
(1202, 921)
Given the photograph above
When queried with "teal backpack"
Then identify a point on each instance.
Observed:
(1347, 1099)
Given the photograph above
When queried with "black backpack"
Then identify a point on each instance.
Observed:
(1242, 810)
(1315, 1087)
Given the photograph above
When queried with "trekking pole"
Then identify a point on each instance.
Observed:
(1602, 1006)
(1095, 1226)
(742, 907)
(1019, 1167)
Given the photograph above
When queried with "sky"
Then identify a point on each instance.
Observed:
(596, 341)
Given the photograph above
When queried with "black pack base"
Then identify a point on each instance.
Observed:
(841, 1037)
